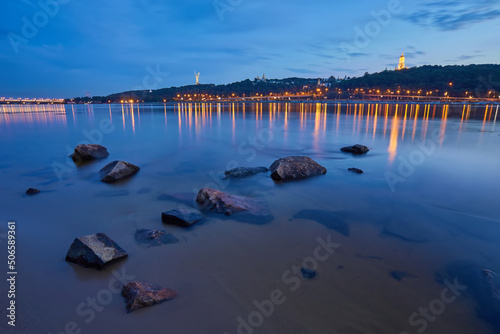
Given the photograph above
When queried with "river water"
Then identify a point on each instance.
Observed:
(401, 248)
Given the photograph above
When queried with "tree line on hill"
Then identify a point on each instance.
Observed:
(480, 81)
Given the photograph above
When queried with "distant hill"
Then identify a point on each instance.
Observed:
(479, 81)
(475, 80)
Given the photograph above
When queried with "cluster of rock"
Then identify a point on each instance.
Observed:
(98, 250)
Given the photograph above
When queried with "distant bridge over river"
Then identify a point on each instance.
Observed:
(19, 100)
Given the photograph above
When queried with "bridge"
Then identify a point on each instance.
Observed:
(20, 100)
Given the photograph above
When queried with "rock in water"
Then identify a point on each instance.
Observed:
(355, 149)
(32, 191)
(308, 273)
(356, 170)
(295, 168)
(95, 251)
(89, 152)
(244, 172)
(181, 217)
(117, 170)
(154, 238)
(139, 295)
(215, 200)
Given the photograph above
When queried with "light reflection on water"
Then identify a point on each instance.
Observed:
(443, 212)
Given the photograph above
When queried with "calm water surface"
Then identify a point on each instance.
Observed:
(423, 217)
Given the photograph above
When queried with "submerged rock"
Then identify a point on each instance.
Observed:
(355, 170)
(355, 149)
(228, 204)
(308, 273)
(186, 198)
(117, 170)
(479, 284)
(140, 294)
(89, 152)
(181, 217)
(96, 251)
(398, 275)
(295, 168)
(329, 219)
(32, 191)
(244, 171)
(154, 238)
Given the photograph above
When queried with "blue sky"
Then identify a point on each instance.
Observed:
(65, 48)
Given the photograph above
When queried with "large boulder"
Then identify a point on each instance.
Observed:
(244, 172)
(89, 152)
(355, 149)
(117, 170)
(95, 251)
(295, 168)
(228, 204)
(181, 217)
(154, 238)
(140, 294)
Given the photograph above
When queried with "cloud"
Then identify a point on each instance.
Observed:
(453, 15)
(464, 57)
(301, 71)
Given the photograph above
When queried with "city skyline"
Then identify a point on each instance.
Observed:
(66, 48)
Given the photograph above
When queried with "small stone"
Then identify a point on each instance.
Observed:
(32, 191)
(95, 251)
(117, 170)
(181, 217)
(308, 273)
(356, 170)
(355, 149)
(140, 294)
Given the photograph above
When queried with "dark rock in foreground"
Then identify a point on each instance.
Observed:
(308, 273)
(355, 149)
(117, 170)
(355, 170)
(241, 172)
(89, 152)
(218, 201)
(95, 251)
(181, 217)
(139, 295)
(32, 191)
(154, 238)
(295, 168)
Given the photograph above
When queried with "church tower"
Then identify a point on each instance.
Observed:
(401, 65)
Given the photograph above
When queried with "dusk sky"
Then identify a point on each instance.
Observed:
(104, 47)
